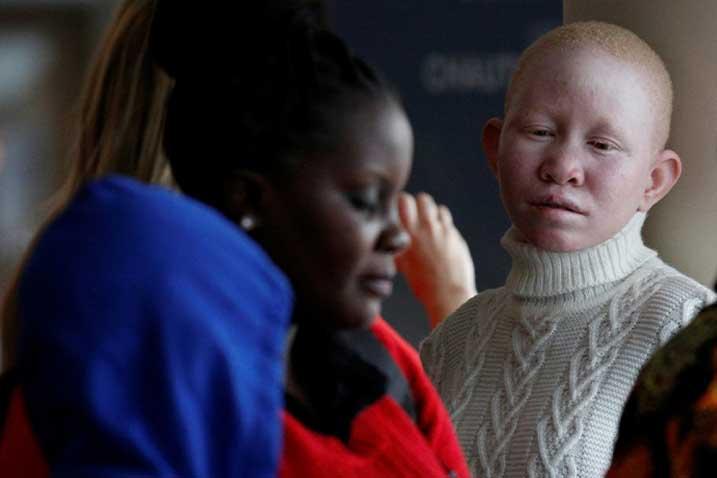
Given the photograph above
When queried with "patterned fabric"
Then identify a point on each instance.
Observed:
(669, 426)
(385, 440)
(535, 374)
(151, 343)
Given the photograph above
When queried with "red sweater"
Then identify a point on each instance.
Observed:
(384, 441)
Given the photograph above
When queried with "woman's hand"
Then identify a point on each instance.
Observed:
(438, 264)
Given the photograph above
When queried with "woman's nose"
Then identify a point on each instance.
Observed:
(394, 237)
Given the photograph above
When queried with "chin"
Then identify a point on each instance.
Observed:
(358, 323)
(368, 323)
(361, 320)
(337, 315)
(560, 242)
(371, 315)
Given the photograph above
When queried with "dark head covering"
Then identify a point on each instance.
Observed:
(669, 424)
(151, 341)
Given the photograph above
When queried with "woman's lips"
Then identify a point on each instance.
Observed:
(380, 286)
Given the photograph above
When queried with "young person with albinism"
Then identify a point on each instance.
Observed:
(535, 373)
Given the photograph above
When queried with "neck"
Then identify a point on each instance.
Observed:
(539, 273)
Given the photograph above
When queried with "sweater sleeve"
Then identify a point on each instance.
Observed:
(432, 348)
(679, 301)
(433, 420)
(430, 355)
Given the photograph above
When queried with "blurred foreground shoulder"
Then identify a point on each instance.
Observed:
(142, 314)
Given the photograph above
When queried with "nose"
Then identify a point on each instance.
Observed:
(394, 237)
(562, 166)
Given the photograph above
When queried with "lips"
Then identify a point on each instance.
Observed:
(379, 285)
(558, 202)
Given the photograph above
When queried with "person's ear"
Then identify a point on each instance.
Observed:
(491, 142)
(664, 174)
(243, 198)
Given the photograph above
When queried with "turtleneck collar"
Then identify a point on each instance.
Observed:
(539, 273)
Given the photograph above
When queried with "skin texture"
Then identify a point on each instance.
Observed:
(577, 156)
(438, 264)
(615, 40)
(332, 225)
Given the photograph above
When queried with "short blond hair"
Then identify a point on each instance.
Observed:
(614, 40)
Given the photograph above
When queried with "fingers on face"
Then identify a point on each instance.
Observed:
(427, 209)
(421, 211)
(444, 215)
(407, 211)
(431, 214)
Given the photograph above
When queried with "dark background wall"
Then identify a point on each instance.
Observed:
(451, 61)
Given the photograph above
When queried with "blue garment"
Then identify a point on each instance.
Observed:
(151, 339)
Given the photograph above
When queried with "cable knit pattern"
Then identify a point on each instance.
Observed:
(559, 432)
(535, 373)
(529, 343)
(474, 357)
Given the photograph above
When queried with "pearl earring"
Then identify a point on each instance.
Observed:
(247, 222)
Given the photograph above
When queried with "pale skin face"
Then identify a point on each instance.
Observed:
(576, 155)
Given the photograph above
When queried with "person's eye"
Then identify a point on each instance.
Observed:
(602, 145)
(539, 132)
(366, 200)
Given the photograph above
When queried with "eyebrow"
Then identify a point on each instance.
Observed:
(374, 170)
(604, 125)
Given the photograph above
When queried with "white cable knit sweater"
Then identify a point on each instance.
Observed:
(535, 373)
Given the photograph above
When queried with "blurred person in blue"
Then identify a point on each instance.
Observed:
(151, 342)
